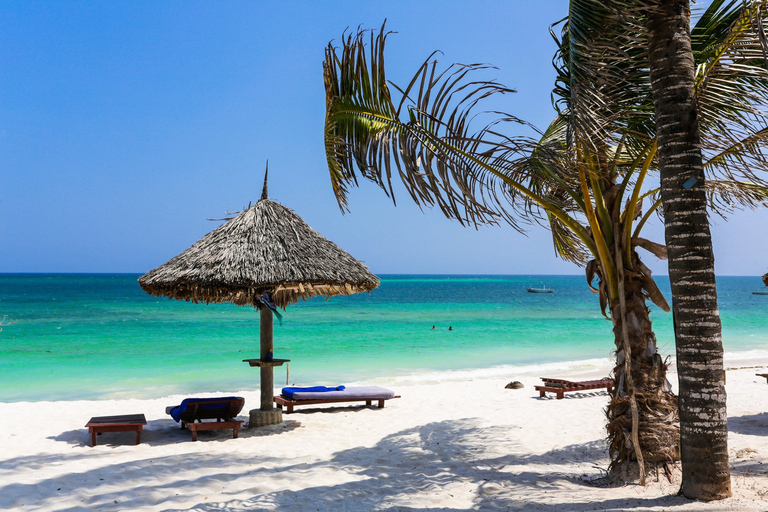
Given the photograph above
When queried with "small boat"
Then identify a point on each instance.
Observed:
(543, 289)
(759, 293)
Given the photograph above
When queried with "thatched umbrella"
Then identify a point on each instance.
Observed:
(765, 279)
(266, 249)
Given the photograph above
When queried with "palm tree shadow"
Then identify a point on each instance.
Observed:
(437, 456)
(460, 457)
(751, 425)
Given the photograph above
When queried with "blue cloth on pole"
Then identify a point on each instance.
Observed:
(267, 301)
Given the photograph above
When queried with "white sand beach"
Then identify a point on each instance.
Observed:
(454, 441)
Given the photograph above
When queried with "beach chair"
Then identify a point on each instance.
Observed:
(292, 397)
(192, 411)
(560, 386)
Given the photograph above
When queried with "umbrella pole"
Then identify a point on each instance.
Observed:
(266, 414)
(267, 372)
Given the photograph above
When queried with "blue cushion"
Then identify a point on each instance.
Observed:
(177, 411)
(289, 391)
(350, 393)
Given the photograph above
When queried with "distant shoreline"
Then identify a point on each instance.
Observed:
(582, 369)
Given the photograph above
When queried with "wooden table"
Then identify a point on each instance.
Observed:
(266, 363)
(122, 423)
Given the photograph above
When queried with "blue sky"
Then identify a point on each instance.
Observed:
(125, 125)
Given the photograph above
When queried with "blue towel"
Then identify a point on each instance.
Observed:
(177, 411)
(288, 392)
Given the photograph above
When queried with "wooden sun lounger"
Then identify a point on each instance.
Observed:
(290, 404)
(200, 409)
(367, 395)
(763, 375)
(560, 387)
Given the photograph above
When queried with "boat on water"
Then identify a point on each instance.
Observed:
(759, 293)
(543, 289)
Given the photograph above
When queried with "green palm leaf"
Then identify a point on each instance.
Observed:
(426, 137)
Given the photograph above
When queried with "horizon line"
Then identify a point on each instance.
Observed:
(380, 274)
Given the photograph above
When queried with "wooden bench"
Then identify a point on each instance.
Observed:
(223, 410)
(560, 386)
(290, 404)
(294, 396)
(121, 423)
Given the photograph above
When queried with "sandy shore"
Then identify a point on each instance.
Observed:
(453, 442)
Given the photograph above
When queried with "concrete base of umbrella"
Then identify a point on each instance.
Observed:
(260, 418)
(267, 414)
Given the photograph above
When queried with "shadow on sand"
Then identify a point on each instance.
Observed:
(166, 431)
(751, 425)
(432, 459)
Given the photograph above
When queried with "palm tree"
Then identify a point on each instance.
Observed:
(698, 334)
(716, 74)
(584, 178)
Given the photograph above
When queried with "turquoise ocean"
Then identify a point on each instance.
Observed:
(94, 336)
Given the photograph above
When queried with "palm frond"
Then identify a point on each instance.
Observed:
(727, 196)
(729, 45)
(567, 245)
(602, 73)
(732, 95)
(427, 137)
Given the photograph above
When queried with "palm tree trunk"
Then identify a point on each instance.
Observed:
(656, 405)
(698, 337)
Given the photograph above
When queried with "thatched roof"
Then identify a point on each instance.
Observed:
(765, 279)
(266, 248)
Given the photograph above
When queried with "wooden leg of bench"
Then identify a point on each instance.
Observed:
(138, 435)
(93, 437)
(288, 409)
(542, 394)
(560, 395)
(194, 433)
(381, 404)
(368, 402)
(234, 432)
